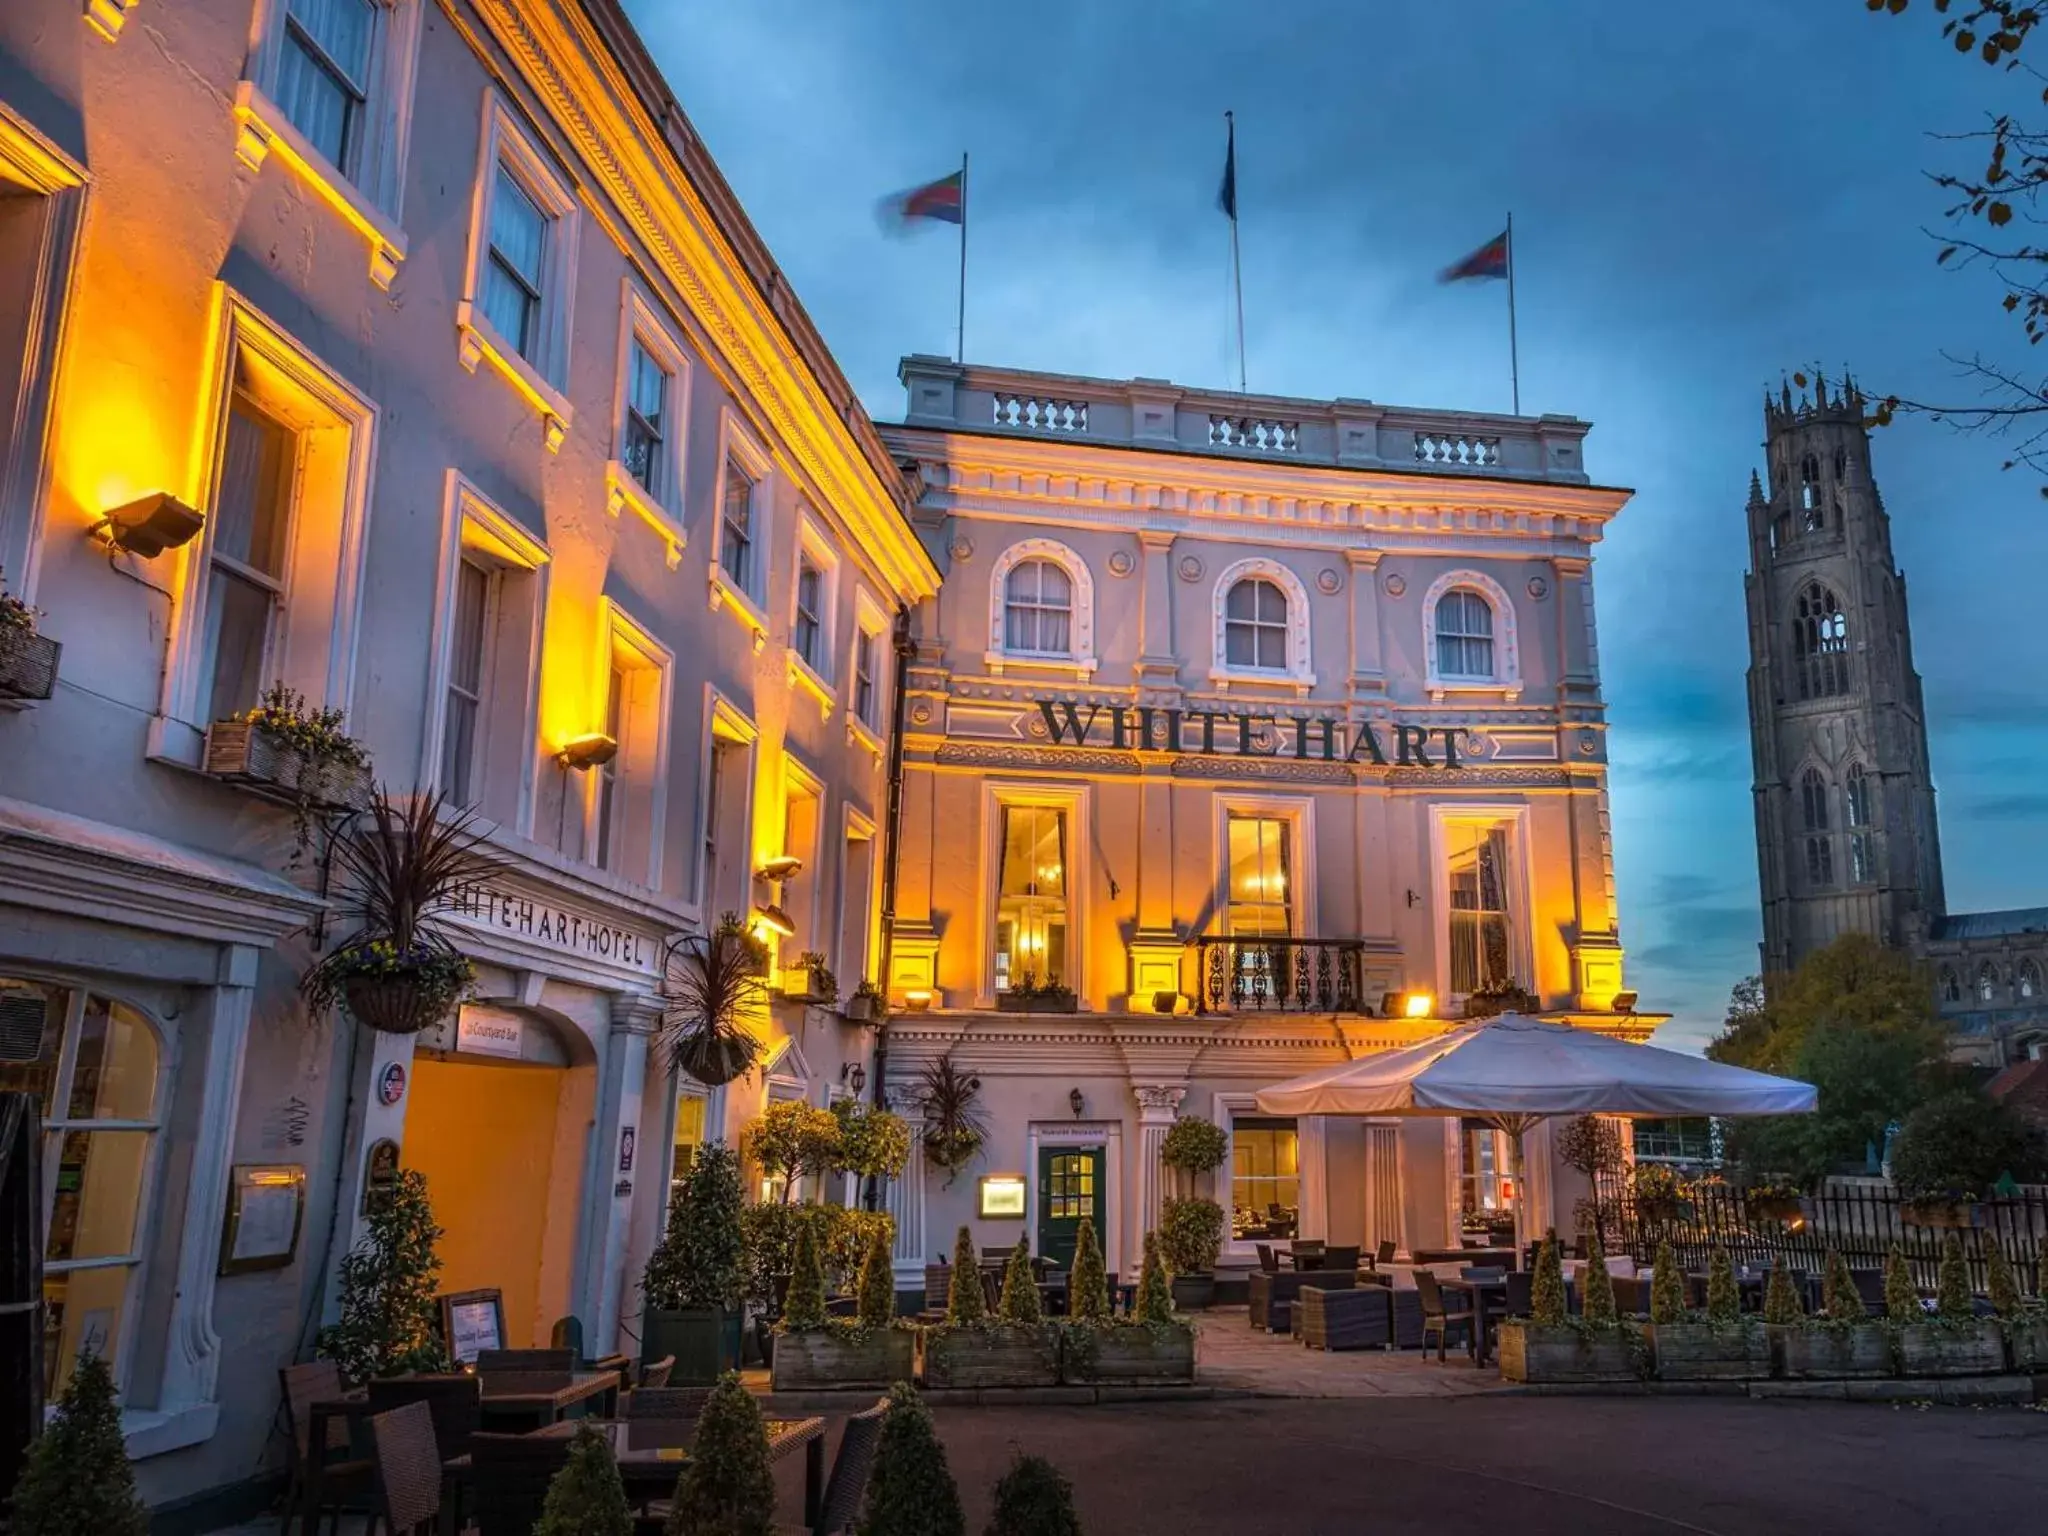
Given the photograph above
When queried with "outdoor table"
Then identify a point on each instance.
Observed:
(350, 1405)
(1483, 1294)
(514, 1399)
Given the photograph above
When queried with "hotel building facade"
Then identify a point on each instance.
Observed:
(1246, 734)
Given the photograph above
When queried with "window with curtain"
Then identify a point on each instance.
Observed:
(1255, 625)
(1031, 901)
(1038, 609)
(464, 704)
(1486, 1189)
(246, 576)
(92, 1066)
(736, 535)
(1265, 1178)
(646, 406)
(324, 74)
(689, 1137)
(518, 255)
(1482, 948)
(1820, 643)
(805, 632)
(1261, 896)
(1464, 635)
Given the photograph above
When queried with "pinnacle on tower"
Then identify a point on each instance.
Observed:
(1756, 490)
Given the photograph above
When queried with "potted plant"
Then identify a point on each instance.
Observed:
(1780, 1203)
(587, 1497)
(286, 748)
(1494, 998)
(867, 1005)
(1190, 1241)
(77, 1478)
(1953, 1340)
(1844, 1341)
(1098, 1349)
(2026, 1323)
(1719, 1345)
(812, 981)
(28, 660)
(390, 1299)
(710, 985)
(1658, 1195)
(695, 1274)
(1015, 1348)
(400, 972)
(816, 1351)
(911, 1492)
(874, 1143)
(727, 1486)
(1550, 1345)
(954, 1125)
(792, 1141)
(1025, 995)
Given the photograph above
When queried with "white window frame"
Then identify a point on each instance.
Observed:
(801, 781)
(1299, 812)
(1228, 1106)
(542, 379)
(472, 522)
(1081, 660)
(814, 547)
(369, 195)
(316, 649)
(1506, 681)
(872, 623)
(856, 826)
(1521, 924)
(724, 719)
(640, 320)
(1299, 673)
(749, 604)
(1078, 801)
(619, 631)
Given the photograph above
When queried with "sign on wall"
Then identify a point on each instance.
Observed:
(483, 1031)
(1223, 733)
(545, 925)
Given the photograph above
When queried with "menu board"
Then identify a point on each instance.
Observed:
(475, 1321)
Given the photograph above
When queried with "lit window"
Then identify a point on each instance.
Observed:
(91, 1065)
(1261, 890)
(466, 655)
(1265, 1179)
(1255, 626)
(513, 273)
(1031, 903)
(1485, 1192)
(805, 633)
(324, 72)
(646, 401)
(246, 582)
(1820, 641)
(736, 546)
(689, 1137)
(1480, 921)
(1038, 609)
(1464, 635)
(865, 643)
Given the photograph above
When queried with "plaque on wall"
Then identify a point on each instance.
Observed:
(266, 1204)
(380, 1175)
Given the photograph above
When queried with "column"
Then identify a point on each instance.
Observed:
(1311, 1150)
(904, 1199)
(1157, 1105)
(608, 1202)
(1368, 669)
(1576, 649)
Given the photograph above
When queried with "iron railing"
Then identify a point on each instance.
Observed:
(1279, 975)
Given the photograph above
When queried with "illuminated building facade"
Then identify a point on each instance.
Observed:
(1245, 734)
(504, 432)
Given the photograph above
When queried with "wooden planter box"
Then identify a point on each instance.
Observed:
(860, 1010)
(1702, 1352)
(246, 754)
(1361, 1317)
(1530, 1352)
(1127, 1355)
(1940, 1214)
(705, 1343)
(1830, 1352)
(1975, 1348)
(1010, 1002)
(870, 1359)
(28, 663)
(2028, 1339)
(998, 1355)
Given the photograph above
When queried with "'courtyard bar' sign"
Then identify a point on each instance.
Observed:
(1214, 732)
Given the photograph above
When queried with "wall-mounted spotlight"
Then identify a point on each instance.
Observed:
(784, 866)
(1077, 1101)
(775, 920)
(917, 999)
(1624, 1002)
(1406, 1005)
(149, 525)
(591, 750)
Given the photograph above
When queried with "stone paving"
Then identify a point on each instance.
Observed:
(1232, 1357)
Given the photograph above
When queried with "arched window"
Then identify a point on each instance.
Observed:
(1858, 797)
(1255, 626)
(2028, 982)
(1841, 464)
(1820, 861)
(1820, 644)
(1987, 982)
(1813, 518)
(1038, 609)
(1464, 635)
(1951, 988)
(1813, 799)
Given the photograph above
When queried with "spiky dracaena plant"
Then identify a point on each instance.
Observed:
(1020, 1302)
(1088, 1285)
(1781, 1297)
(1155, 1291)
(390, 1296)
(1724, 1300)
(1901, 1296)
(877, 1283)
(1033, 1499)
(1952, 1283)
(804, 1307)
(727, 1487)
(1596, 1287)
(77, 1481)
(710, 985)
(911, 1492)
(965, 1305)
(1667, 1289)
(587, 1497)
(1546, 1290)
(1999, 1281)
(1842, 1302)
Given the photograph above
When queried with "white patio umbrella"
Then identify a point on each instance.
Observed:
(1513, 1071)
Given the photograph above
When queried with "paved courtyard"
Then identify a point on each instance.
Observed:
(1231, 1355)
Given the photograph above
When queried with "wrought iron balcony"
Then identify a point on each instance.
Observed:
(1280, 974)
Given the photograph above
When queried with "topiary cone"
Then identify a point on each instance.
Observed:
(1034, 1499)
(1724, 1300)
(1155, 1291)
(804, 1307)
(1088, 1285)
(1547, 1307)
(2003, 1288)
(964, 1302)
(1842, 1302)
(1020, 1302)
(727, 1487)
(911, 1491)
(77, 1481)
(1952, 1285)
(1667, 1289)
(877, 1284)
(1782, 1306)
(587, 1497)
(1901, 1296)
(1596, 1287)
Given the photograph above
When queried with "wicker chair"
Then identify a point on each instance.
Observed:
(568, 1334)
(1341, 1258)
(851, 1467)
(1269, 1261)
(664, 1416)
(456, 1406)
(657, 1373)
(511, 1474)
(346, 1485)
(1436, 1318)
(409, 1473)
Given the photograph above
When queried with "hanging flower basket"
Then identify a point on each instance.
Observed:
(399, 992)
(28, 663)
(713, 1057)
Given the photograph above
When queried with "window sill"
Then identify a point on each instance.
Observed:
(806, 676)
(727, 594)
(1226, 678)
(1438, 687)
(859, 734)
(262, 129)
(1080, 666)
(623, 489)
(479, 339)
(156, 1432)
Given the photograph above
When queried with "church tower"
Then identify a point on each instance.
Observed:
(1845, 830)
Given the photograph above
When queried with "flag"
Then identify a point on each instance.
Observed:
(1226, 195)
(1490, 260)
(944, 200)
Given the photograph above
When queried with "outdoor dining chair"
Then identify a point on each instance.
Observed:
(346, 1484)
(656, 1374)
(852, 1465)
(1269, 1261)
(1436, 1317)
(409, 1473)
(1341, 1258)
(568, 1334)
(1386, 1252)
(549, 1360)
(455, 1405)
(665, 1416)
(510, 1476)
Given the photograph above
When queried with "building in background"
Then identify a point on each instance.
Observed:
(1246, 734)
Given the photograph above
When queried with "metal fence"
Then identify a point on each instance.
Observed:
(1280, 974)
(1860, 1219)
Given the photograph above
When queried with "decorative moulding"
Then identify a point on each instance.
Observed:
(623, 489)
(478, 339)
(1121, 563)
(742, 607)
(262, 129)
(107, 17)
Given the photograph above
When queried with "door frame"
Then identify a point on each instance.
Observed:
(1109, 1136)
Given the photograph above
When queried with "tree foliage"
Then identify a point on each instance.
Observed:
(587, 1497)
(1840, 1299)
(1781, 1297)
(1155, 1293)
(1019, 1302)
(965, 1305)
(911, 1492)
(1901, 1296)
(794, 1140)
(77, 1480)
(1960, 1143)
(1088, 1285)
(1724, 1298)
(877, 1283)
(2000, 1284)
(804, 1307)
(1547, 1300)
(1033, 1498)
(1596, 1287)
(1194, 1145)
(1667, 1288)
(1191, 1234)
(701, 1258)
(390, 1296)
(1591, 1145)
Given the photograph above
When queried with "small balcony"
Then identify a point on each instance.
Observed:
(1281, 975)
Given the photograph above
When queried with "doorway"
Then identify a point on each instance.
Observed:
(1069, 1192)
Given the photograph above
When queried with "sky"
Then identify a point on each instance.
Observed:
(1706, 198)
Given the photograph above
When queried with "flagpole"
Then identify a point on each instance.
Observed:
(1514, 355)
(1236, 262)
(960, 335)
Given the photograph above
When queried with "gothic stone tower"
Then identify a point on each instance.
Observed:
(1845, 829)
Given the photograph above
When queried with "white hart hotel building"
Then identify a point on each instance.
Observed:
(1246, 734)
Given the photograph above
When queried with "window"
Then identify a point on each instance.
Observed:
(1486, 1192)
(1265, 1178)
(856, 900)
(1038, 609)
(803, 802)
(1261, 894)
(246, 582)
(736, 533)
(628, 795)
(725, 812)
(1951, 988)
(805, 633)
(467, 650)
(1813, 800)
(518, 252)
(647, 384)
(2028, 981)
(1856, 801)
(1464, 635)
(1987, 983)
(1820, 861)
(1812, 518)
(1858, 797)
(323, 76)
(1481, 938)
(1255, 626)
(865, 694)
(92, 1065)
(1820, 642)
(689, 1137)
(1031, 901)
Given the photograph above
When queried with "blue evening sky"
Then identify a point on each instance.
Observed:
(1705, 198)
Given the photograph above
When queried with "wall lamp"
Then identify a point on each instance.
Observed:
(592, 750)
(775, 920)
(1077, 1101)
(149, 525)
(854, 1075)
(1406, 1005)
(917, 999)
(785, 866)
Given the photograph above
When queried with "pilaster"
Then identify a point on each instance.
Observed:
(1312, 1148)
(1368, 670)
(1158, 1103)
(1158, 667)
(903, 1197)
(608, 1201)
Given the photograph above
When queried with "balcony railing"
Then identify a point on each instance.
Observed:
(1280, 975)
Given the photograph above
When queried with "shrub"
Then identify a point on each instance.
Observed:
(1034, 1499)
(911, 1492)
(1781, 1297)
(1952, 1281)
(1191, 1235)
(77, 1481)
(804, 1307)
(768, 1242)
(873, 1143)
(1724, 1301)
(1088, 1284)
(727, 1487)
(1546, 1290)
(1901, 1298)
(965, 1305)
(1020, 1302)
(701, 1258)
(1194, 1145)
(1155, 1295)
(2005, 1291)
(877, 1284)
(792, 1139)
(1959, 1143)
(1667, 1289)
(1842, 1302)
(1596, 1287)
(390, 1299)
(587, 1497)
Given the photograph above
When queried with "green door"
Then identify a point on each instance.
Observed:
(1069, 1193)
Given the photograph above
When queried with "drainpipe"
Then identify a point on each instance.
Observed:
(892, 821)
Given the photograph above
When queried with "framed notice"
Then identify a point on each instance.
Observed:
(1002, 1194)
(472, 1321)
(266, 1205)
